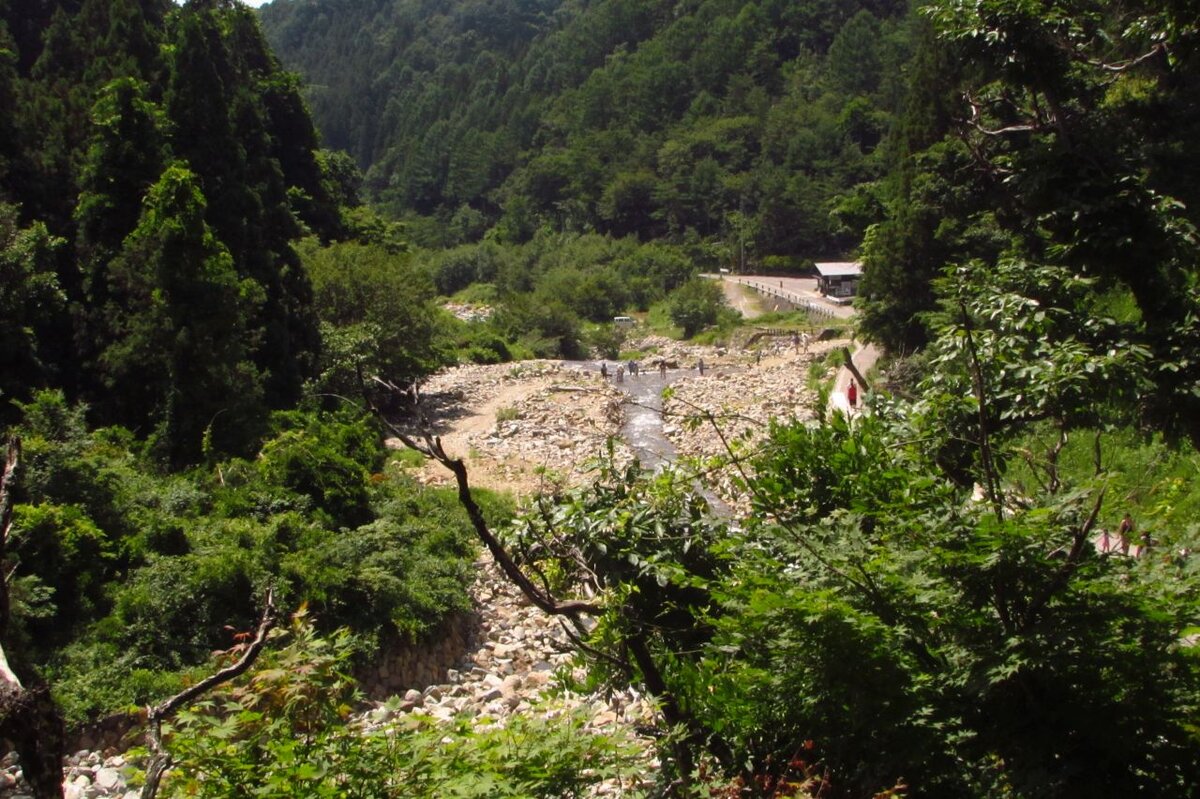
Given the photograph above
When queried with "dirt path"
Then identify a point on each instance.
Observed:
(743, 300)
(864, 357)
(520, 428)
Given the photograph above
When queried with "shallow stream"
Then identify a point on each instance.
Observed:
(643, 427)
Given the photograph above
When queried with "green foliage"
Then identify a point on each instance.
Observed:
(325, 461)
(606, 340)
(376, 316)
(871, 626)
(455, 269)
(1140, 473)
(1064, 163)
(30, 296)
(741, 125)
(62, 542)
(480, 343)
(168, 148)
(878, 629)
(126, 578)
(549, 329)
(283, 731)
(695, 305)
(400, 574)
(179, 321)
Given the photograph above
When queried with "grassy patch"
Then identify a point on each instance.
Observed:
(658, 320)
(407, 458)
(1159, 484)
(477, 294)
(798, 320)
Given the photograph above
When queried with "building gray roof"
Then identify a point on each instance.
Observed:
(839, 269)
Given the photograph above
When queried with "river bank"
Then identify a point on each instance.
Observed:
(529, 427)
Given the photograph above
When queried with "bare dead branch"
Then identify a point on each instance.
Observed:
(431, 447)
(12, 460)
(539, 598)
(160, 758)
(848, 359)
(976, 121)
(1122, 66)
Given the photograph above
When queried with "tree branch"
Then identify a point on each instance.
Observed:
(1059, 581)
(1121, 66)
(160, 758)
(848, 359)
(985, 442)
(28, 715)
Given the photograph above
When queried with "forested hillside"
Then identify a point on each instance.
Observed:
(753, 124)
(158, 331)
(157, 166)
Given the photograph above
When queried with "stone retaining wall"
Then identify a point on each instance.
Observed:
(402, 666)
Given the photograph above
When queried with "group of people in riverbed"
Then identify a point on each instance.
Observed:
(1126, 531)
(635, 368)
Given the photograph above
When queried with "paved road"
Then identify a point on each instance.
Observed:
(803, 291)
(798, 290)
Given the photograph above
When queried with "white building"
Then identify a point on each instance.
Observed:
(838, 279)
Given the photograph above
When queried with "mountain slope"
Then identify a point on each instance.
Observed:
(715, 120)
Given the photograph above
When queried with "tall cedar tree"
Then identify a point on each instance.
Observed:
(99, 105)
(180, 326)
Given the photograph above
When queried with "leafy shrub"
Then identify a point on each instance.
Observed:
(67, 551)
(327, 460)
(606, 340)
(174, 610)
(695, 305)
(94, 679)
(137, 576)
(283, 731)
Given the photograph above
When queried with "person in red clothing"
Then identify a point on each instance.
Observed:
(852, 394)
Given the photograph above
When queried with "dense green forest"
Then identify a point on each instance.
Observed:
(194, 302)
(754, 126)
(161, 345)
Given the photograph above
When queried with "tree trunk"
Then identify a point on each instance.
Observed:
(28, 716)
(30, 719)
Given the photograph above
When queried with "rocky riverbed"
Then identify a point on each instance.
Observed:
(521, 427)
(508, 669)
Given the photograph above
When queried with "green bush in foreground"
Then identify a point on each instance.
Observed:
(127, 578)
(285, 730)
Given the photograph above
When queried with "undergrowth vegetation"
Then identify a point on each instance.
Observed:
(285, 731)
(126, 578)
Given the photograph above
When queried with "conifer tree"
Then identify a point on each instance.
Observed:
(221, 130)
(179, 317)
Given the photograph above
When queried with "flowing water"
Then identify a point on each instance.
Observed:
(643, 428)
